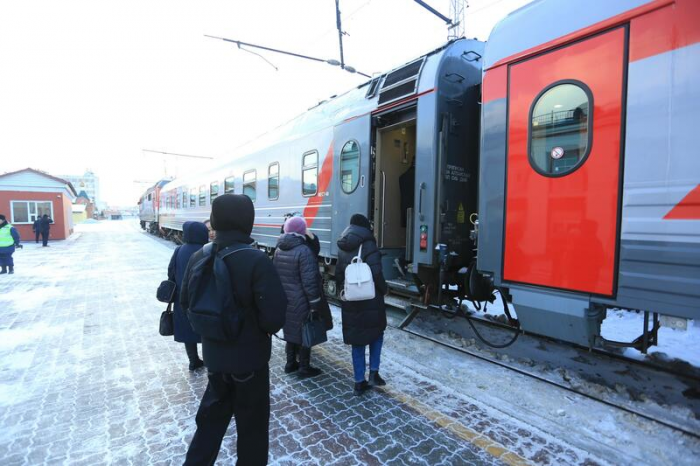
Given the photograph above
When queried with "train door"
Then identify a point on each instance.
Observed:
(563, 165)
(351, 157)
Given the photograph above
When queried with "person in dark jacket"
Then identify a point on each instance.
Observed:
(36, 228)
(195, 235)
(45, 228)
(297, 265)
(364, 322)
(9, 239)
(239, 375)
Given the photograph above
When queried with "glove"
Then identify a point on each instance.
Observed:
(19, 246)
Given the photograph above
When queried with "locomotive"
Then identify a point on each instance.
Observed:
(565, 182)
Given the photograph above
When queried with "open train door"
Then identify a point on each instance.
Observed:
(351, 156)
(565, 123)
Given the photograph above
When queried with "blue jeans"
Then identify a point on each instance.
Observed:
(358, 358)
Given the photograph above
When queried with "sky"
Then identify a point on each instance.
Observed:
(90, 84)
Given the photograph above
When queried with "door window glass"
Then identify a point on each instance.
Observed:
(350, 166)
(560, 128)
(309, 174)
(273, 181)
(249, 184)
(228, 185)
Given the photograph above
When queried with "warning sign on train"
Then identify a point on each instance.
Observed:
(557, 153)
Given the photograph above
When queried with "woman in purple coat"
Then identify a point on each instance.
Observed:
(195, 235)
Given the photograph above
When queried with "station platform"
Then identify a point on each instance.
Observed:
(87, 379)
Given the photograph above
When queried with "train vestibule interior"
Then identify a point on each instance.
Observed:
(394, 188)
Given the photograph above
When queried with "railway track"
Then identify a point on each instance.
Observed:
(604, 356)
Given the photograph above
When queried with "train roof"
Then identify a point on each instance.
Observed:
(543, 21)
(352, 103)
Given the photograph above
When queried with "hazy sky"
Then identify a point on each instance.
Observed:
(89, 84)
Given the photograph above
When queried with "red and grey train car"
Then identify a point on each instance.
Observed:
(401, 149)
(589, 193)
(586, 176)
(149, 205)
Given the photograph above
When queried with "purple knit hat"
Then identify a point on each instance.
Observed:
(295, 225)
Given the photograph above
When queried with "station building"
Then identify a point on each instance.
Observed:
(28, 194)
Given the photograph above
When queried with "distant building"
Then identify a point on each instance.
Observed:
(90, 183)
(79, 213)
(84, 200)
(28, 194)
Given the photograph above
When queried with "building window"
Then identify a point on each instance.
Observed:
(203, 195)
(228, 185)
(249, 184)
(350, 166)
(309, 174)
(193, 197)
(273, 181)
(213, 191)
(560, 128)
(29, 211)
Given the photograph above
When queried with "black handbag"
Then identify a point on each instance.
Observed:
(166, 291)
(313, 332)
(166, 322)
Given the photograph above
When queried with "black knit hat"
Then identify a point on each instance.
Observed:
(361, 221)
(232, 212)
(2, 217)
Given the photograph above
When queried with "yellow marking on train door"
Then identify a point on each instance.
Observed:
(448, 423)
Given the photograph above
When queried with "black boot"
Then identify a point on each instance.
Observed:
(195, 362)
(360, 388)
(12, 269)
(305, 368)
(292, 364)
(375, 380)
(4, 269)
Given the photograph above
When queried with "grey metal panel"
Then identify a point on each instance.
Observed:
(492, 170)
(555, 314)
(427, 128)
(660, 277)
(546, 20)
(661, 162)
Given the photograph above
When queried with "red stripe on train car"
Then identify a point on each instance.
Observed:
(324, 181)
(665, 29)
(495, 84)
(688, 208)
(589, 30)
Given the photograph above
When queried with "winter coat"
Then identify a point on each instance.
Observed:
(196, 235)
(45, 224)
(363, 321)
(36, 226)
(260, 295)
(7, 251)
(297, 267)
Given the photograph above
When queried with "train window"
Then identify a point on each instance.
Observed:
(184, 198)
(249, 184)
(193, 197)
(203, 195)
(273, 181)
(228, 185)
(150, 196)
(350, 166)
(560, 128)
(309, 174)
(213, 191)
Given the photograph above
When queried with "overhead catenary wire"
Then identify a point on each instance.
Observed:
(333, 62)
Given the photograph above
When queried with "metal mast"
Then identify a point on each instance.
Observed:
(456, 29)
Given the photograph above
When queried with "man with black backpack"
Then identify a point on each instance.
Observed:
(234, 299)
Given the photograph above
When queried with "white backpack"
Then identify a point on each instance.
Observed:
(359, 285)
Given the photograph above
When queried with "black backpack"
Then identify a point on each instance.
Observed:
(213, 311)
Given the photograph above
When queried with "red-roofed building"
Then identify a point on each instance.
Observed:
(28, 194)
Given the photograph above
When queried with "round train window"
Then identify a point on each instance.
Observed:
(560, 128)
(350, 166)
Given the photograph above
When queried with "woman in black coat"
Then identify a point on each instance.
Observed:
(297, 267)
(195, 235)
(364, 322)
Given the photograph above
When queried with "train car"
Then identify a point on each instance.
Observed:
(401, 149)
(149, 205)
(589, 174)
